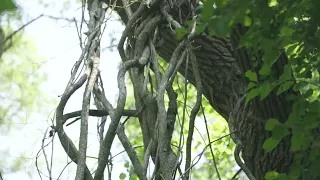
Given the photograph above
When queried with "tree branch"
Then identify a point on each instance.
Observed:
(97, 113)
(131, 153)
(107, 142)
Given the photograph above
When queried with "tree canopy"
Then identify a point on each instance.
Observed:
(20, 93)
(256, 63)
(204, 87)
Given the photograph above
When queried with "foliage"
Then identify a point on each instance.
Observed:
(276, 27)
(273, 27)
(19, 78)
(217, 128)
(7, 5)
(20, 91)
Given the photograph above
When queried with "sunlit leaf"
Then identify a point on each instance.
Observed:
(252, 94)
(266, 88)
(181, 32)
(285, 86)
(251, 85)
(271, 123)
(270, 144)
(122, 176)
(252, 76)
(247, 21)
(271, 175)
(273, 3)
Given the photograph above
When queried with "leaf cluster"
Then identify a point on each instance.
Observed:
(289, 28)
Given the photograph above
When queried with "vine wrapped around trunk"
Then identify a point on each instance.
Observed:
(222, 66)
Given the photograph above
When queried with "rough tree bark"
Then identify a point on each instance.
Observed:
(222, 65)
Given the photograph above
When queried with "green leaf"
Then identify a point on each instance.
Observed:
(286, 31)
(292, 48)
(270, 144)
(266, 88)
(265, 70)
(287, 73)
(200, 28)
(207, 10)
(283, 176)
(7, 5)
(299, 107)
(271, 175)
(314, 107)
(279, 132)
(284, 87)
(252, 94)
(271, 123)
(273, 3)
(220, 25)
(251, 85)
(295, 170)
(307, 174)
(252, 76)
(180, 32)
(293, 119)
(247, 21)
(297, 141)
(314, 153)
(122, 176)
(300, 86)
(271, 55)
(126, 165)
(311, 121)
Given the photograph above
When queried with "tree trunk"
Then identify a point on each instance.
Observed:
(222, 65)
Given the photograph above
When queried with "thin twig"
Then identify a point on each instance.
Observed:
(131, 153)
(97, 113)
(79, 33)
(201, 153)
(45, 154)
(22, 27)
(103, 157)
(208, 136)
(92, 66)
(245, 169)
(64, 169)
(236, 174)
(194, 110)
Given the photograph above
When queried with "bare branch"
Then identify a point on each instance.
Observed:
(97, 113)
(105, 149)
(21, 28)
(127, 8)
(97, 15)
(65, 141)
(208, 136)
(45, 154)
(64, 169)
(128, 28)
(241, 164)
(131, 153)
(194, 110)
(169, 18)
(236, 174)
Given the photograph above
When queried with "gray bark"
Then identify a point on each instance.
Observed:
(222, 65)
